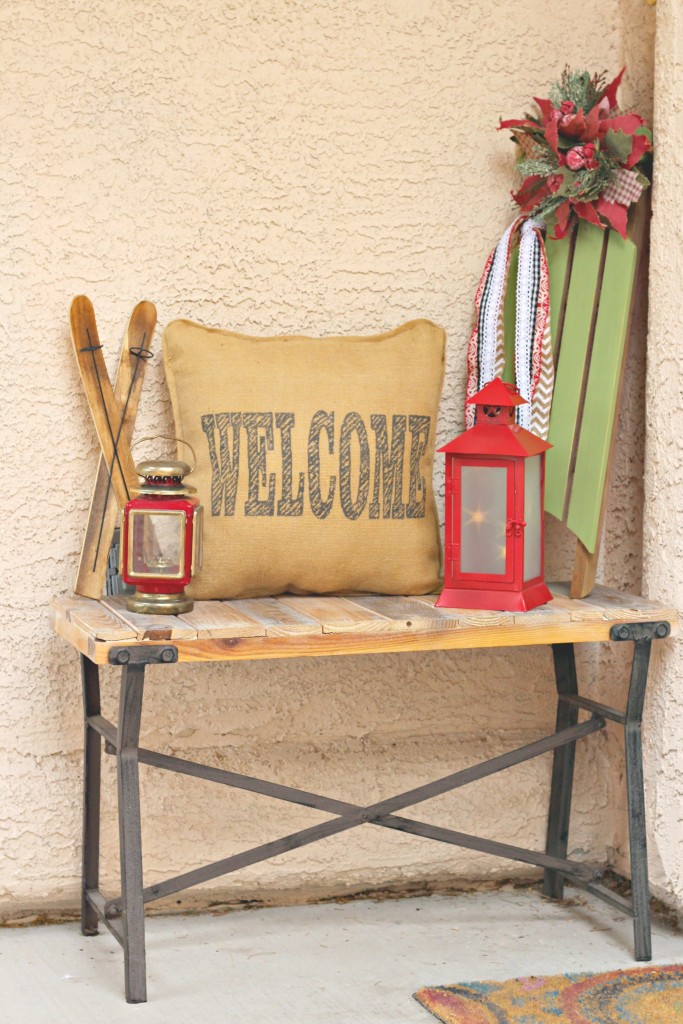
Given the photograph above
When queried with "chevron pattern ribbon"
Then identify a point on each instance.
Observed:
(534, 370)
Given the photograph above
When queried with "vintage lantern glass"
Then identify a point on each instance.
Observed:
(161, 537)
(494, 509)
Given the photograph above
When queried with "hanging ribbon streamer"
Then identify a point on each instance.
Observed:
(534, 371)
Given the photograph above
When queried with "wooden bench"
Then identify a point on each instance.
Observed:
(104, 632)
(591, 275)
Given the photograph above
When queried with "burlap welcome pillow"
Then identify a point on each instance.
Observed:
(314, 458)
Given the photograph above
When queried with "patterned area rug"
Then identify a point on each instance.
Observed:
(649, 995)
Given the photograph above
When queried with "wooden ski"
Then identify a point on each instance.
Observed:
(114, 412)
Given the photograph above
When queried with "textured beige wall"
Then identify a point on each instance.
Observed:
(663, 543)
(304, 166)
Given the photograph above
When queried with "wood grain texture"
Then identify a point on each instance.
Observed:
(585, 565)
(151, 627)
(220, 620)
(276, 618)
(99, 392)
(576, 611)
(103, 512)
(100, 622)
(339, 644)
(612, 605)
(406, 612)
(561, 621)
(97, 651)
(551, 614)
(339, 615)
(467, 616)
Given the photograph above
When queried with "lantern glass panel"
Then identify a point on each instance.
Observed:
(483, 497)
(198, 548)
(532, 517)
(157, 543)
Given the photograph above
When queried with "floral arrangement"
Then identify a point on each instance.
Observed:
(581, 157)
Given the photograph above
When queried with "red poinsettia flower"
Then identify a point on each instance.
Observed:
(523, 122)
(562, 215)
(531, 192)
(614, 213)
(587, 212)
(610, 93)
(550, 119)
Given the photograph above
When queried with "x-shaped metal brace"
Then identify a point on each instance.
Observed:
(351, 815)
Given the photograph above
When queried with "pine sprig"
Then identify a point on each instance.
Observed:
(588, 185)
(540, 165)
(582, 89)
(547, 207)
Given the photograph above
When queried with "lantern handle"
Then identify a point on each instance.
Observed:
(166, 437)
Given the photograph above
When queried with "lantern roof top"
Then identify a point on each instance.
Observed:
(497, 392)
(497, 440)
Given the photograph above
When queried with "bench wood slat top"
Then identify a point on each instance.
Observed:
(292, 627)
(409, 613)
(275, 618)
(339, 615)
(221, 620)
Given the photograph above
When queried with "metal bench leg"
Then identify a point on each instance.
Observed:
(133, 923)
(636, 800)
(563, 769)
(92, 762)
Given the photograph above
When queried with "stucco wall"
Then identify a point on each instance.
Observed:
(663, 540)
(310, 167)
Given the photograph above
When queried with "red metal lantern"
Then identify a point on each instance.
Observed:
(494, 509)
(161, 533)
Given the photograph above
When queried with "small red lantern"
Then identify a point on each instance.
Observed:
(494, 509)
(161, 534)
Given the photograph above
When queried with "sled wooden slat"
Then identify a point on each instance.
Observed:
(574, 347)
(602, 391)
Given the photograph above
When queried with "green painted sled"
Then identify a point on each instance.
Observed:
(592, 273)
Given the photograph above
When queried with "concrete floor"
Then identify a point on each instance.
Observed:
(356, 963)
